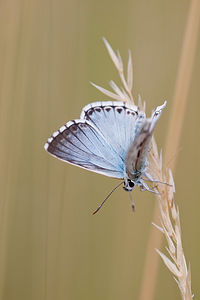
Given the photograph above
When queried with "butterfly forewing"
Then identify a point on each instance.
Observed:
(80, 143)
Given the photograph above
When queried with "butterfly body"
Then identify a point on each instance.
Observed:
(110, 138)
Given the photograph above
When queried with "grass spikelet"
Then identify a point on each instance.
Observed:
(123, 94)
(170, 225)
(169, 213)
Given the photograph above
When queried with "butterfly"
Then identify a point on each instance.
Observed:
(110, 138)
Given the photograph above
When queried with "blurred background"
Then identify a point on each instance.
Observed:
(51, 246)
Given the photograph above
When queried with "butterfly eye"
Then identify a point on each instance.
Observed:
(129, 185)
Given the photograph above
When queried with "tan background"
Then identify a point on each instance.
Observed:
(51, 246)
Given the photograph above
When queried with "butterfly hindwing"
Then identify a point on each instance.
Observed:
(115, 120)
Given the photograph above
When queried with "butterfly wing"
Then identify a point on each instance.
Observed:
(137, 154)
(116, 122)
(81, 144)
(98, 141)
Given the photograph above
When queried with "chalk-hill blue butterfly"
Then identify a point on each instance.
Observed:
(110, 138)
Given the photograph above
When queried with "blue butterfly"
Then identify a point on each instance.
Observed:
(111, 138)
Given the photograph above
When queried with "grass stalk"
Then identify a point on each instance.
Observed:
(166, 210)
(173, 138)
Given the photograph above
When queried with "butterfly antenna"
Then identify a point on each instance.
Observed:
(132, 203)
(107, 198)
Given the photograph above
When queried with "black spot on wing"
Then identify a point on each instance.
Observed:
(73, 128)
(99, 108)
(89, 112)
(119, 110)
(82, 126)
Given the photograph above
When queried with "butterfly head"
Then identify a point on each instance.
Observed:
(129, 185)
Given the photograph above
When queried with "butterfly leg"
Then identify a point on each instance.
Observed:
(132, 203)
(150, 178)
(144, 187)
